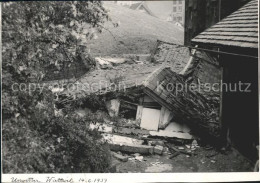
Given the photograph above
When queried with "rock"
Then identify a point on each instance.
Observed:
(139, 158)
(158, 149)
(136, 154)
(120, 157)
(188, 146)
(131, 159)
(194, 143)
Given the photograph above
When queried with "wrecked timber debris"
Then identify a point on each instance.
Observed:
(151, 106)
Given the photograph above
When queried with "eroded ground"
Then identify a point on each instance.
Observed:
(192, 156)
(231, 161)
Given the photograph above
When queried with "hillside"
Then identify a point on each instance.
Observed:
(161, 9)
(137, 32)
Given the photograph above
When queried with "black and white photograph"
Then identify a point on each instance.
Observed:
(126, 87)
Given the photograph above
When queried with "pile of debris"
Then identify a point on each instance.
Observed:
(111, 61)
(151, 106)
(128, 148)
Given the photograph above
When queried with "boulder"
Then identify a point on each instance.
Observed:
(158, 149)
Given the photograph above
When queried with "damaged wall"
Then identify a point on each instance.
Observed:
(149, 114)
(187, 106)
(204, 69)
(150, 111)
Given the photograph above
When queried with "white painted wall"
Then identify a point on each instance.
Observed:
(150, 119)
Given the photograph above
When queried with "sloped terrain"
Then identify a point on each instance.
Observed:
(137, 32)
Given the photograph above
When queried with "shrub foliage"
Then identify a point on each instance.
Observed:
(35, 36)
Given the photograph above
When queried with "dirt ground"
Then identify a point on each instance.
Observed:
(231, 161)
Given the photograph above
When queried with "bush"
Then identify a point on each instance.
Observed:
(37, 35)
(61, 145)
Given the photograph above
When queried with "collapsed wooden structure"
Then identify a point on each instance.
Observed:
(170, 90)
(151, 89)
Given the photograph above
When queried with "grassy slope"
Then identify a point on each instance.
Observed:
(137, 33)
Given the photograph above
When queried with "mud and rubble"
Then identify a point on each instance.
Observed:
(149, 128)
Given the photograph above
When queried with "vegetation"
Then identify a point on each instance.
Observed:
(35, 36)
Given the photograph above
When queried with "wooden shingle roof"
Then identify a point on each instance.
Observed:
(132, 75)
(167, 88)
(172, 55)
(240, 29)
(121, 77)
